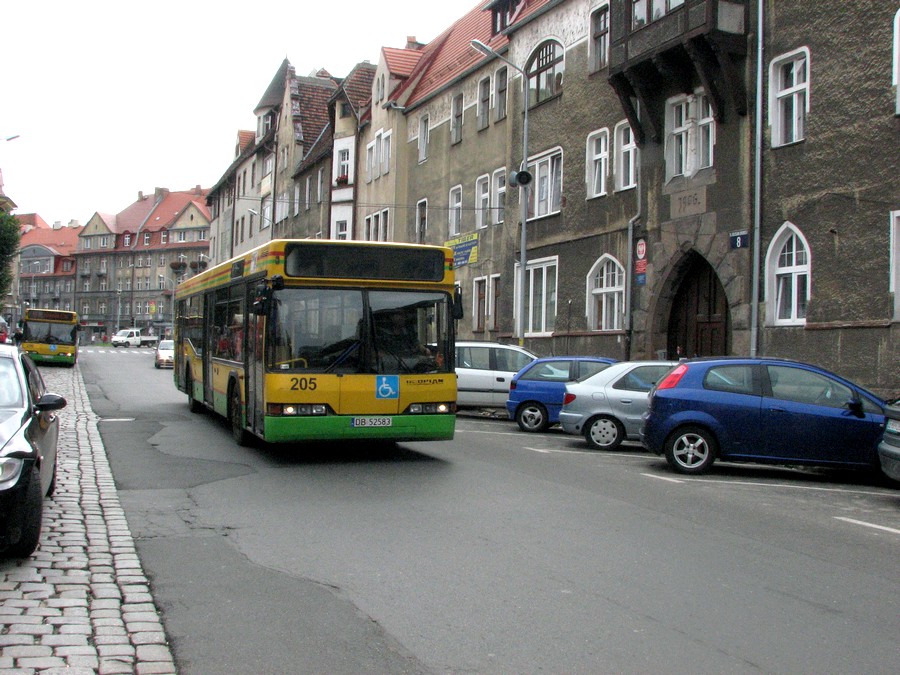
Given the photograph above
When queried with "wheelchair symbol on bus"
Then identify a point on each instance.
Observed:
(388, 386)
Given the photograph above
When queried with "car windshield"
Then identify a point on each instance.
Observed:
(10, 392)
(167, 344)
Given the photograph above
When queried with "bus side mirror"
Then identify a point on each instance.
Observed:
(261, 300)
(457, 304)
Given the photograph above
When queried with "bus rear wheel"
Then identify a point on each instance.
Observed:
(238, 433)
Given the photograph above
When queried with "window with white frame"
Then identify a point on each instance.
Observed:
(540, 295)
(690, 135)
(646, 11)
(383, 234)
(86, 308)
(493, 322)
(597, 163)
(265, 218)
(86, 243)
(146, 238)
(164, 237)
(127, 240)
(599, 47)
(606, 294)
(386, 153)
(545, 71)
(181, 236)
(789, 97)
(455, 210)
(788, 277)
(307, 204)
(296, 202)
(456, 118)
(421, 220)
(424, 134)
(501, 84)
(498, 195)
(341, 231)
(482, 201)
(894, 280)
(546, 194)
(104, 241)
(484, 102)
(479, 303)
(343, 165)
(370, 161)
(320, 185)
(626, 157)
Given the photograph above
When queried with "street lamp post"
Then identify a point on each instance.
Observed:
(522, 178)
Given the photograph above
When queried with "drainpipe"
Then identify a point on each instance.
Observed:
(629, 272)
(757, 179)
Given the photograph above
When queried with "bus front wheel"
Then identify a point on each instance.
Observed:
(235, 417)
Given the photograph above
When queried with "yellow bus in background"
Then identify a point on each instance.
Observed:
(50, 336)
(312, 340)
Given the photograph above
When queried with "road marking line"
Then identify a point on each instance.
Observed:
(865, 524)
(665, 478)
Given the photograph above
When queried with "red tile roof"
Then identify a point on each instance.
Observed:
(61, 241)
(30, 220)
(450, 54)
(357, 86)
(401, 62)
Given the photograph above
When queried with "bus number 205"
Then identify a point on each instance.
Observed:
(303, 383)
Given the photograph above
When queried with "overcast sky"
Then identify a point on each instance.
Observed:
(110, 98)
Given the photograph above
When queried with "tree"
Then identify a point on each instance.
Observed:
(10, 235)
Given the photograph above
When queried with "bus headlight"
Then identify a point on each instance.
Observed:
(431, 408)
(296, 409)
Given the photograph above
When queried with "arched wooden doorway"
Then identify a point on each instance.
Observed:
(698, 322)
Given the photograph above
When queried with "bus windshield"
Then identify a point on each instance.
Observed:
(325, 330)
(49, 333)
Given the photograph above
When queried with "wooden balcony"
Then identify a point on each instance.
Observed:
(699, 43)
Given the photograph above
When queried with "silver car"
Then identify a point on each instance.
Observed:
(606, 408)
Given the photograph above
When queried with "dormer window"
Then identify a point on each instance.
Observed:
(505, 13)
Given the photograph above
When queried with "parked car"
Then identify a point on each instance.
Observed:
(536, 392)
(484, 371)
(29, 430)
(607, 408)
(764, 410)
(165, 354)
(889, 447)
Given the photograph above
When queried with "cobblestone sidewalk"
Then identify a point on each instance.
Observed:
(81, 604)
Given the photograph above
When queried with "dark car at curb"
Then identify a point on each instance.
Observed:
(29, 433)
(536, 392)
(889, 447)
(761, 410)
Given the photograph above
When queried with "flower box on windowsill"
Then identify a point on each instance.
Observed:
(341, 181)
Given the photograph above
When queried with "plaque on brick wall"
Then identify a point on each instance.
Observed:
(688, 203)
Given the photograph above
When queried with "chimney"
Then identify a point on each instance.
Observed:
(57, 224)
(411, 43)
(140, 196)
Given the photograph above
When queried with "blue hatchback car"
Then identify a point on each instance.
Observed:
(536, 392)
(762, 410)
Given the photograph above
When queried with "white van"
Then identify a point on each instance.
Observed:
(484, 371)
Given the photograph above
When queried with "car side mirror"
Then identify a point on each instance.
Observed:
(855, 406)
(50, 402)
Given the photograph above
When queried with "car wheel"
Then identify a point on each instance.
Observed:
(604, 433)
(27, 519)
(238, 433)
(532, 417)
(691, 450)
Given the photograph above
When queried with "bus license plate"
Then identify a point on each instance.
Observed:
(371, 422)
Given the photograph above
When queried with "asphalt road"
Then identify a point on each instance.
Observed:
(498, 552)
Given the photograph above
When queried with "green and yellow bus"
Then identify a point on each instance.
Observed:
(50, 336)
(312, 340)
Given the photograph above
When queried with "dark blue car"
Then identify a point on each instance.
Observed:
(536, 392)
(762, 410)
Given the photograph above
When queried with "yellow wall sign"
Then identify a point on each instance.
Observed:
(465, 249)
